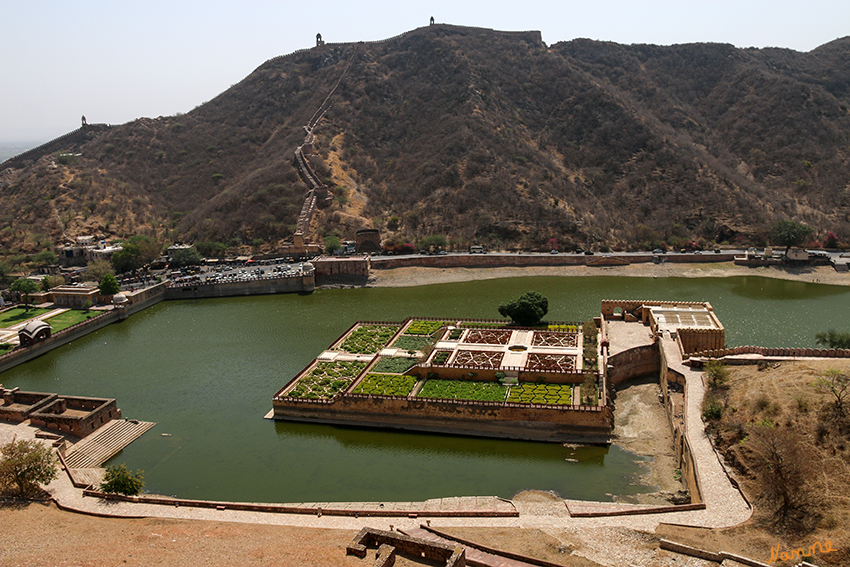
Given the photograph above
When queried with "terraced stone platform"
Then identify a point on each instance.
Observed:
(105, 443)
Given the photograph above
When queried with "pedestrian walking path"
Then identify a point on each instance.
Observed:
(725, 505)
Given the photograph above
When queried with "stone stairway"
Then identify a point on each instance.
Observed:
(104, 443)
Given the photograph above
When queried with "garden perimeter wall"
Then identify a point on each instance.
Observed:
(486, 419)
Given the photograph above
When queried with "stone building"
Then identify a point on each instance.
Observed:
(33, 332)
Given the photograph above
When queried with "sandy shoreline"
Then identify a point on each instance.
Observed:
(415, 276)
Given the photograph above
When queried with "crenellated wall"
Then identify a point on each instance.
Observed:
(696, 340)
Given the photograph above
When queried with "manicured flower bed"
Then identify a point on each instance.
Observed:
(441, 357)
(453, 335)
(424, 327)
(479, 359)
(386, 385)
(527, 393)
(474, 325)
(463, 390)
(554, 339)
(486, 337)
(408, 342)
(326, 380)
(368, 339)
(556, 362)
(564, 328)
(394, 364)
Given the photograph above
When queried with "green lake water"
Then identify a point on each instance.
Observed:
(206, 370)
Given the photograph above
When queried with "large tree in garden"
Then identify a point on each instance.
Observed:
(25, 287)
(789, 233)
(527, 310)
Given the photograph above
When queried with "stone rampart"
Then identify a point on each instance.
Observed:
(72, 137)
(686, 461)
(767, 352)
(697, 340)
(344, 269)
(146, 297)
(261, 286)
(486, 419)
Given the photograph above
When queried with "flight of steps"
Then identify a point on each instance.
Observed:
(104, 443)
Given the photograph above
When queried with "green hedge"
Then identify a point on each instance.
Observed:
(407, 342)
(463, 390)
(394, 364)
(368, 339)
(326, 380)
(527, 393)
(386, 385)
(424, 327)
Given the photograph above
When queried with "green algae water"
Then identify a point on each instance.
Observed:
(206, 370)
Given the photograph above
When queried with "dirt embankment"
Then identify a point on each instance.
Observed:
(415, 276)
(641, 426)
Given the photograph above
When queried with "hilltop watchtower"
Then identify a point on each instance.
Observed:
(319, 40)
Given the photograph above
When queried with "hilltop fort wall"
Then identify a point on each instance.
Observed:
(74, 137)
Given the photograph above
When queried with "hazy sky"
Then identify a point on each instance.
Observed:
(118, 60)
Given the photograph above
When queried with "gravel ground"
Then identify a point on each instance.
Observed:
(640, 426)
(414, 276)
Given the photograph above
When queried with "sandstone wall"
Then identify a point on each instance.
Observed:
(634, 363)
(251, 287)
(486, 419)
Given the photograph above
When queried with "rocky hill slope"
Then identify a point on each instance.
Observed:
(481, 136)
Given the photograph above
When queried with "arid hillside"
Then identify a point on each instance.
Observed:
(476, 135)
